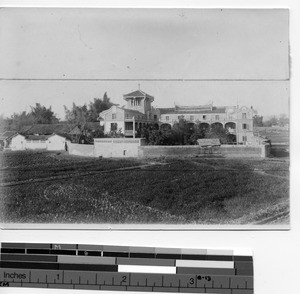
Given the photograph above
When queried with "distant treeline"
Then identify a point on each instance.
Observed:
(275, 120)
(39, 114)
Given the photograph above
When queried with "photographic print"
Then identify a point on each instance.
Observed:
(170, 117)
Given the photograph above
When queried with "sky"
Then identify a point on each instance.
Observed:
(183, 56)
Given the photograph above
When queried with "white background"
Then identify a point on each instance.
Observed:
(276, 253)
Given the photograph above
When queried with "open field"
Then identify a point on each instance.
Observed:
(277, 135)
(46, 187)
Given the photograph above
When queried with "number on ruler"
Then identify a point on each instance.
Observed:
(207, 278)
(192, 281)
(124, 279)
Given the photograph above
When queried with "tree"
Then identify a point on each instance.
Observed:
(17, 121)
(272, 121)
(218, 132)
(183, 132)
(4, 124)
(78, 116)
(97, 106)
(145, 131)
(258, 121)
(199, 133)
(115, 134)
(283, 120)
(43, 115)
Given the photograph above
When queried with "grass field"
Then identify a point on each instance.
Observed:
(277, 135)
(47, 187)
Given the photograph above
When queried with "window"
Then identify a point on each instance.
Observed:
(217, 117)
(167, 117)
(244, 138)
(128, 126)
(114, 116)
(204, 117)
(155, 117)
(244, 115)
(245, 126)
(191, 117)
(113, 126)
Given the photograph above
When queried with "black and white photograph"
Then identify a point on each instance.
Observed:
(145, 116)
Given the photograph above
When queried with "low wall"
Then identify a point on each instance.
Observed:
(242, 151)
(117, 147)
(195, 150)
(81, 149)
(156, 151)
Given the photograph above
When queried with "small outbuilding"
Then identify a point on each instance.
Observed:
(56, 142)
(38, 142)
(208, 142)
(18, 142)
(5, 139)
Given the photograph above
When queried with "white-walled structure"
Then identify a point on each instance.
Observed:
(18, 142)
(128, 119)
(117, 147)
(38, 142)
(237, 120)
(56, 142)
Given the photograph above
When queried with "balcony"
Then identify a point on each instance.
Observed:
(128, 133)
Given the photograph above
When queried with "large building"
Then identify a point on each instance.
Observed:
(129, 118)
(138, 112)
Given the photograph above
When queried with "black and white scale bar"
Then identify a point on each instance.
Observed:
(92, 280)
(125, 268)
(123, 251)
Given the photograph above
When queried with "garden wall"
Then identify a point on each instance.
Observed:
(195, 150)
(81, 149)
(117, 147)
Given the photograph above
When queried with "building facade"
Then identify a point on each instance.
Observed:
(38, 142)
(138, 112)
(237, 120)
(129, 118)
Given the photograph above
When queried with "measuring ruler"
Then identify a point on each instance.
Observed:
(124, 268)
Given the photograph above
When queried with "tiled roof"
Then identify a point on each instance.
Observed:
(47, 129)
(191, 110)
(37, 137)
(132, 111)
(138, 93)
(166, 110)
(93, 126)
(75, 131)
(25, 128)
(6, 135)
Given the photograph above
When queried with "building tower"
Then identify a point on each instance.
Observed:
(140, 101)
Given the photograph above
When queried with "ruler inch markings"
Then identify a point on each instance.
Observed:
(125, 268)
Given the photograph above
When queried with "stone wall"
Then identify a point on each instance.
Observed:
(81, 149)
(195, 150)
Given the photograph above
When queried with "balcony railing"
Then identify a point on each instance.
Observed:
(128, 133)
